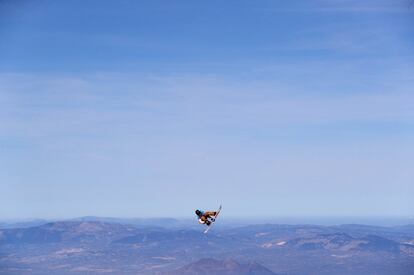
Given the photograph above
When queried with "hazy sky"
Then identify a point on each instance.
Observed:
(155, 108)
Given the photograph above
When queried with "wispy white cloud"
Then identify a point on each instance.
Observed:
(383, 6)
(35, 100)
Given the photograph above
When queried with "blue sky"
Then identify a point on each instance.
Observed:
(154, 108)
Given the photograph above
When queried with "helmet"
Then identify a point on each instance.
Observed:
(198, 212)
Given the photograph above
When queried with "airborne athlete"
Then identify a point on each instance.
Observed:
(208, 217)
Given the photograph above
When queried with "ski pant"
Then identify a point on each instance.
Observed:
(208, 214)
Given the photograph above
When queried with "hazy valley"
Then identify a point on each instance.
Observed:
(105, 246)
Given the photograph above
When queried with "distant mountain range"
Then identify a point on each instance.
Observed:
(221, 267)
(86, 246)
(152, 222)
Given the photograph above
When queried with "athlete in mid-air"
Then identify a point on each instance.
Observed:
(206, 217)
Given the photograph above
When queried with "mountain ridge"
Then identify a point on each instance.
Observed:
(69, 247)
